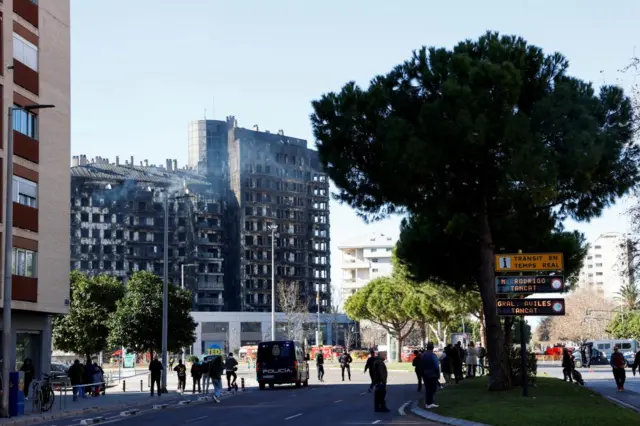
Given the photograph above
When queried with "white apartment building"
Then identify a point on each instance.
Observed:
(363, 259)
(606, 267)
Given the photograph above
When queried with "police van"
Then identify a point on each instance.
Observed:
(282, 362)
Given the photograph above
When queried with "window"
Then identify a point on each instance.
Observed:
(374, 260)
(25, 52)
(25, 192)
(599, 274)
(24, 262)
(598, 247)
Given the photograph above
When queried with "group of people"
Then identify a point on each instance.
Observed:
(86, 379)
(205, 373)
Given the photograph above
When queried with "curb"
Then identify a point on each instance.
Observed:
(622, 404)
(129, 413)
(428, 415)
(160, 406)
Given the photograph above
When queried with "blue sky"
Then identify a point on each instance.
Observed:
(141, 70)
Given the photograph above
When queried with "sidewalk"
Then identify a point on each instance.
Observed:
(115, 398)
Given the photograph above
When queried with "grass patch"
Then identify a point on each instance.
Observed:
(551, 402)
(405, 366)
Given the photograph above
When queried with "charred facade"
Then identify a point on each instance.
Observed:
(270, 180)
(117, 225)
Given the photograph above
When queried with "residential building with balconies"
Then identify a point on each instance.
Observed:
(364, 258)
(35, 51)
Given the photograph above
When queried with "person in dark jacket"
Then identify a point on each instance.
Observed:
(320, 366)
(446, 363)
(29, 372)
(431, 373)
(196, 375)
(76, 375)
(215, 373)
(369, 366)
(231, 366)
(617, 363)
(636, 363)
(380, 379)
(156, 369)
(345, 361)
(417, 367)
(567, 365)
(457, 355)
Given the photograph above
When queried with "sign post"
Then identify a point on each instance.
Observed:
(524, 285)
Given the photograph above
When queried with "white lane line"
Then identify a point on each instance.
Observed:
(196, 419)
(402, 409)
(294, 416)
(376, 422)
(335, 402)
(362, 393)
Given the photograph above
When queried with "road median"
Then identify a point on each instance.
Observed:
(563, 402)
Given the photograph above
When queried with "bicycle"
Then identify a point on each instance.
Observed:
(43, 393)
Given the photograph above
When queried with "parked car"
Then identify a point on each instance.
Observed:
(58, 373)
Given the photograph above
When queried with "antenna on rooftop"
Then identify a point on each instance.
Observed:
(205, 113)
(213, 110)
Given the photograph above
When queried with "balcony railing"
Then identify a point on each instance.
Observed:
(210, 301)
(210, 286)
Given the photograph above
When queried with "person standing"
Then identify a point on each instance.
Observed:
(230, 366)
(29, 372)
(196, 375)
(76, 373)
(482, 354)
(417, 367)
(431, 373)
(215, 373)
(446, 363)
(205, 375)
(472, 360)
(456, 360)
(588, 353)
(636, 363)
(181, 369)
(320, 366)
(617, 363)
(567, 365)
(369, 366)
(345, 363)
(156, 369)
(380, 379)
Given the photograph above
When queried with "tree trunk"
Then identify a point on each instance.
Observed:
(423, 333)
(87, 357)
(399, 340)
(498, 380)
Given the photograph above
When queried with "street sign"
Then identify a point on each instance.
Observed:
(531, 284)
(530, 307)
(529, 262)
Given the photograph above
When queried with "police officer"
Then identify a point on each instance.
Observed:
(345, 363)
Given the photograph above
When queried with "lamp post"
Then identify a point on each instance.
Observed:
(184, 350)
(273, 229)
(318, 343)
(8, 256)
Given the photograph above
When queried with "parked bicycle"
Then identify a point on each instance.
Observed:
(43, 394)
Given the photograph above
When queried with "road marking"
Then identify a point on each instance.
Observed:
(335, 402)
(196, 419)
(376, 422)
(294, 416)
(401, 410)
(362, 393)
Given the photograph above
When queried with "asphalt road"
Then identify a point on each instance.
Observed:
(330, 403)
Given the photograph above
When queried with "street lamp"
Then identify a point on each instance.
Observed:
(273, 229)
(184, 350)
(165, 282)
(318, 303)
(8, 256)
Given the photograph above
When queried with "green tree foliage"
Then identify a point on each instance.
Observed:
(515, 332)
(137, 321)
(85, 329)
(381, 301)
(487, 146)
(628, 296)
(625, 326)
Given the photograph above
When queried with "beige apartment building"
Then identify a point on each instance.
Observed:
(36, 70)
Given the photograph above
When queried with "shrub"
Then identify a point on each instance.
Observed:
(515, 366)
(192, 358)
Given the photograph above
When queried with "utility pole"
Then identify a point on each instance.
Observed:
(273, 228)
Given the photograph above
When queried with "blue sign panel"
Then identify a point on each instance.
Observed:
(531, 284)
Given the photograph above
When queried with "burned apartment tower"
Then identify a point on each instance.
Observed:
(270, 179)
(117, 225)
